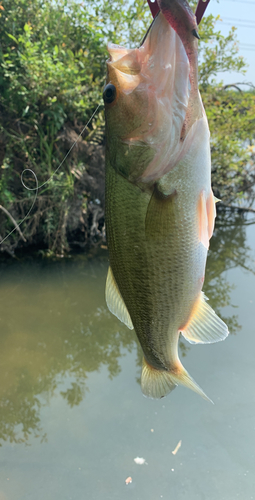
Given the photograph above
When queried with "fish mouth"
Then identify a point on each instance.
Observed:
(156, 73)
(160, 61)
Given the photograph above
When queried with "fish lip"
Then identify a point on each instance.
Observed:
(153, 59)
(116, 52)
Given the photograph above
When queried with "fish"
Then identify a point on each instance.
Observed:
(159, 205)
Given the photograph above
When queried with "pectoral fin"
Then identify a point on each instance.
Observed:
(203, 221)
(211, 213)
(115, 302)
(204, 326)
(160, 214)
(206, 217)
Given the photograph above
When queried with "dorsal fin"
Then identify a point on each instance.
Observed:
(115, 302)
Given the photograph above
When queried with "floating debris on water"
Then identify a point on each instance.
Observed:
(140, 461)
(177, 448)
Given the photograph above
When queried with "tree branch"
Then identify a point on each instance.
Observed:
(236, 85)
(235, 207)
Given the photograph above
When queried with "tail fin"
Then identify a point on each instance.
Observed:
(159, 383)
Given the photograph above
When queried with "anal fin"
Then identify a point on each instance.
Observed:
(155, 383)
(204, 326)
(115, 301)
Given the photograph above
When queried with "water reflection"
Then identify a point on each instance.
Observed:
(55, 324)
(228, 249)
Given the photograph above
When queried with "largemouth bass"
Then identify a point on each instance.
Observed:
(160, 208)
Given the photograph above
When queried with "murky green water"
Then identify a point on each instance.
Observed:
(72, 416)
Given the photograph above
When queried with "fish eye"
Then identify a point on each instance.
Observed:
(109, 93)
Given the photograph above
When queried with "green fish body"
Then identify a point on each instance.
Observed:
(160, 209)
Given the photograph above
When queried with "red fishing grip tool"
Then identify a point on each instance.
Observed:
(200, 10)
(154, 7)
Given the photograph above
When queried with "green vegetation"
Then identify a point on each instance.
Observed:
(52, 70)
(230, 112)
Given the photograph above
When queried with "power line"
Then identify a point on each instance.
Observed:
(241, 1)
(239, 20)
(237, 25)
(247, 46)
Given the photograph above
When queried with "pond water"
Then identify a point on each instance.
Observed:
(72, 415)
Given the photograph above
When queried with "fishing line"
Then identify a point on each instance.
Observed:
(29, 189)
(71, 148)
(36, 189)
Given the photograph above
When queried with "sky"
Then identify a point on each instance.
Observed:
(239, 13)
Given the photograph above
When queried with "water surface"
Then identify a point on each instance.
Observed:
(72, 416)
